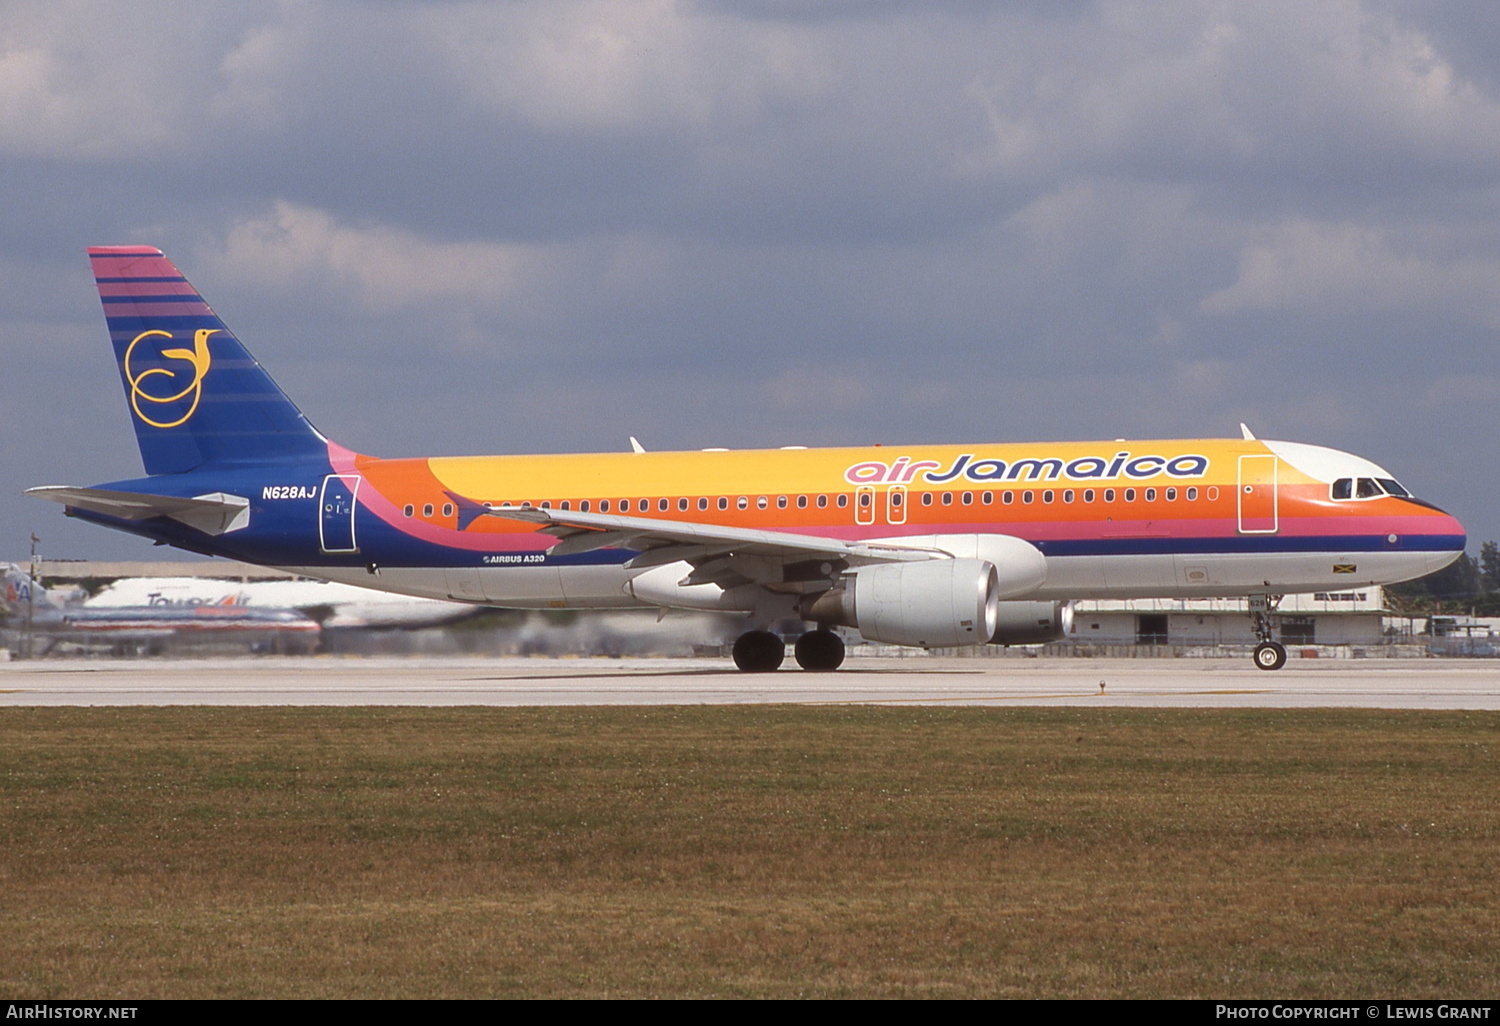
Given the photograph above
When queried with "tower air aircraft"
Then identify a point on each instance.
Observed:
(924, 545)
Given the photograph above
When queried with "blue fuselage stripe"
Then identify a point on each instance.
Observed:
(1250, 544)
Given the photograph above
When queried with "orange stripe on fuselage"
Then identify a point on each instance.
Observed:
(775, 473)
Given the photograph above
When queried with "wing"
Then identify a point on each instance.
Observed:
(719, 554)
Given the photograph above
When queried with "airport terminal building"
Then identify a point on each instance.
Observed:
(1340, 618)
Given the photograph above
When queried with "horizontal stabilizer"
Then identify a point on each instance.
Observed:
(215, 513)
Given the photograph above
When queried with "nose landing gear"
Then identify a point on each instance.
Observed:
(1269, 654)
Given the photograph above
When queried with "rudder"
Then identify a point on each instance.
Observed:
(195, 394)
(18, 591)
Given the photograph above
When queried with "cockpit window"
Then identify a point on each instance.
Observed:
(1367, 488)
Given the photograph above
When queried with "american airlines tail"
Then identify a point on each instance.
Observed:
(166, 340)
(19, 591)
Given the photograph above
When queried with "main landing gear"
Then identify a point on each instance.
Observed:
(819, 650)
(758, 652)
(763, 652)
(1269, 654)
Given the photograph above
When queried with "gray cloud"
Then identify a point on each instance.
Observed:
(527, 227)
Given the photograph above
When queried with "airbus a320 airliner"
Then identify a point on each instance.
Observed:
(924, 545)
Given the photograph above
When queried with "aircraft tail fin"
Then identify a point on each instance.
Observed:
(196, 395)
(18, 591)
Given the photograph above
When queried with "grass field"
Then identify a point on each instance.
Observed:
(748, 851)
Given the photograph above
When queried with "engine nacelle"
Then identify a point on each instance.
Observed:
(1032, 623)
(937, 603)
(1020, 566)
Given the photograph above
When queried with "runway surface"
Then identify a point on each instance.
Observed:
(1213, 683)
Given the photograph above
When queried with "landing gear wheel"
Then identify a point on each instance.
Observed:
(758, 652)
(1270, 655)
(819, 651)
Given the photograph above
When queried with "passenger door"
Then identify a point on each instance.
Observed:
(1258, 509)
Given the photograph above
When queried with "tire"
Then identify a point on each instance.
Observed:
(758, 652)
(819, 651)
(1270, 655)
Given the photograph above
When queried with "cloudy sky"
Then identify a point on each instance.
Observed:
(525, 227)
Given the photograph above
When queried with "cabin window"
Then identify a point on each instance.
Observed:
(1028, 496)
(927, 498)
(1068, 495)
(546, 504)
(643, 505)
(526, 505)
(1008, 498)
(822, 502)
(1109, 495)
(1192, 495)
(1088, 495)
(895, 500)
(662, 505)
(584, 505)
(682, 505)
(448, 509)
(603, 505)
(864, 500)
(801, 502)
(566, 504)
(988, 498)
(723, 502)
(843, 499)
(427, 509)
(762, 502)
(1150, 494)
(947, 498)
(967, 498)
(702, 504)
(1048, 496)
(781, 502)
(1130, 495)
(408, 510)
(1171, 494)
(742, 503)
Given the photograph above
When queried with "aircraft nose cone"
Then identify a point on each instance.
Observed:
(1461, 537)
(1457, 539)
